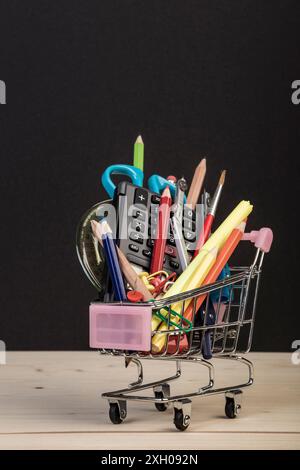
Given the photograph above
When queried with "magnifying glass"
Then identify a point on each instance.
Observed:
(89, 250)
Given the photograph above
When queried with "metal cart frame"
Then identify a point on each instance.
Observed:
(225, 342)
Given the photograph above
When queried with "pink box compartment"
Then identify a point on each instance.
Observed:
(115, 326)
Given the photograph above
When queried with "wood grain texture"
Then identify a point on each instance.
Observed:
(51, 400)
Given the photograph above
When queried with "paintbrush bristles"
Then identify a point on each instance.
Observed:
(222, 178)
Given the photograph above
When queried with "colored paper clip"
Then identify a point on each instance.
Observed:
(152, 281)
(179, 325)
(167, 286)
(160, 287)
(144, 277)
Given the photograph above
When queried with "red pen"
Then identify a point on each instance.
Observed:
(210, 214)
(159, 247)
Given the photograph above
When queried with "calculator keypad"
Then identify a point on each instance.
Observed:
(143, 220)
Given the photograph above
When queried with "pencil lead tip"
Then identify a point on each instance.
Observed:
(222, 177)
(139, 140)
(94, 223)
(166, 192)
(94, 226)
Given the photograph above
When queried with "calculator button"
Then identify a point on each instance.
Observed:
(136, 237)
(155, 199)
(172, 240)
(133, 247)
(189, 225)
(153, 220)
(152, 231)
(174, 264)
(139, 261)
(189, 246)
(138, 214)
(154, 209)
(141, 196)
(189, 213)
(138, 226)
(170, 250)
(190, 236)
(150, 242)
(147, 253)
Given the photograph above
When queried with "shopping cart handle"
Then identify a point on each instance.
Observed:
(262, 238)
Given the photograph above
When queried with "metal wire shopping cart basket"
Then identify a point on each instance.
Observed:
(225, 334)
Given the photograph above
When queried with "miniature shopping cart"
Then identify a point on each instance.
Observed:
(125, 330)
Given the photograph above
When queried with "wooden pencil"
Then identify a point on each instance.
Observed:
(129, 273)
(196, 185)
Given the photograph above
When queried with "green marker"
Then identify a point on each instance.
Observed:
(138, 153)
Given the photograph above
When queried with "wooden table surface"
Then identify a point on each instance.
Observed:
(51, 400)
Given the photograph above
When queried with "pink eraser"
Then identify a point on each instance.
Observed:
(115, 326)
(262, 238)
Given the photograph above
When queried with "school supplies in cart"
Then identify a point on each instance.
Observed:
(200, 310)
(137, 214)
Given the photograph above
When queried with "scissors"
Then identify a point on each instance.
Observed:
(156, 183)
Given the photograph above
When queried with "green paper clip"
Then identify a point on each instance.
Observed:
(182, 319)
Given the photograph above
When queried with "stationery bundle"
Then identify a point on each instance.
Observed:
(156, 243)
(159, 263)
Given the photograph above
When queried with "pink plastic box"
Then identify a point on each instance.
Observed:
(115, 326)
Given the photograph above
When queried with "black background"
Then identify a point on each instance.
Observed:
(195, 78)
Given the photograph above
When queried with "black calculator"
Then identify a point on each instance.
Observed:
(137, 218)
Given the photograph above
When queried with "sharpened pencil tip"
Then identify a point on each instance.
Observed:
(222, 177)
(139, 140)
(94, 224)
(166, 192)
(201, 166)
(100, 228)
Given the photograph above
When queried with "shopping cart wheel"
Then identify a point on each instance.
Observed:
(117, 411)
(233, 405)
(182, 414)
(160, 406)
(162, 391)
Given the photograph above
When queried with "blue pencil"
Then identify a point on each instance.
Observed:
(113, 266)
